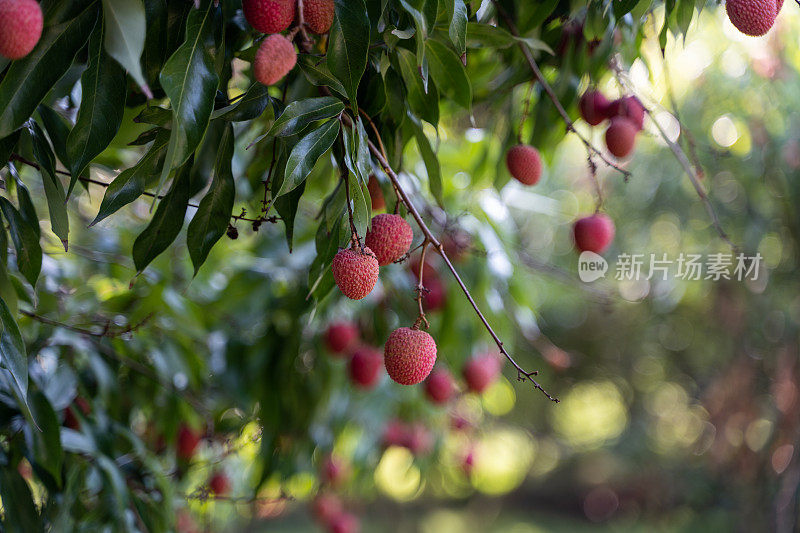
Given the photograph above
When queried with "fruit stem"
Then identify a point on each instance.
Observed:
(355, 240)
(421, 290)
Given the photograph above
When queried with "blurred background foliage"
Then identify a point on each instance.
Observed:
(679, 399)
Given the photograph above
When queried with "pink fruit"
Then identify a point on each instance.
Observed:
(325, 507)
(390, 237)
(333, 471)
(525, 164)
(269, 16)
(753, 17)
(594, 233)
(188, 440)
(318, 15)
(376, 194)
(355, 272)
(219, 484)
(628, 107)
(481, 371)
(419, 440)
(409, 355)
(344, 522)
(593, 107)
(274, 59)
(620, 136)
(341, 337)
(365, 367)
(20, 27)
(440, 387)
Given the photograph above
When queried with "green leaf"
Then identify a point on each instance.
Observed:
(47, 450)
(286, 206)
(301, 113)
(102, 106)
(248, 107)
(423, 104)
(53, 188)
(448, 73)
(124, 36)
(26, 209)
(58, 131)
(480, 35)
(7, 146)
(318, 73)
(305, 154)
(158, 116)
(362, 214)
(214, 213)
(13, 356)
(458, 26)
(190, 81)
(7, 291)
(29, 79)
(26, 242)
(623, 7)
(20, 511)
(431, 163)
(131, 182)
(348, 45)
(166, 223)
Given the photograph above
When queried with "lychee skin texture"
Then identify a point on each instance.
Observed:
(20, 27)
(525, 164)
(344, 522)
(187, 442)
(439, 387)
(274, 59)
(620, 136)
(752, 17)
(409, 355)
(390, 237)
(365, 367)
(355, 273)
(628, 107)
(219, 484)
(341, 337)
(318, 15)
(480, 372)
(269, 16)
(593, 233)
(593, 107)
(376, 194)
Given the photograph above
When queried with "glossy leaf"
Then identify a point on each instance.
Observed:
(305, 154)
(254, 102)
(422, 103)
(20, 510)
(13, 355)
(348, 45)
(7, 146)
(58, 131)
(448, 73)
(458, 26)
(301, 113)
(26, 242)
(286, 206)
(47, 450)
(431, 163)
(26, 208)
(124, 36)
(53, 188)
(317, 72)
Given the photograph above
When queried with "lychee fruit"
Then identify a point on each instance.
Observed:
(333, 471)
(753, 17)
(593, 107)
(394, 434)
(355, 272)
(20, 27)
(318, 15)
(620, 136)
(269, 16)
(409, 355)
(376, 193)
(344, 522)
(593, 233)
(365, 367)
(419, 439)
(627, 107)
(436, 295)
(188, 440)
(525, 164)
(389, 237)
(481, 371)
(325, 507)
(70, 420)
(340, 337)
(440, 387)
(219, 484)
(274, 59)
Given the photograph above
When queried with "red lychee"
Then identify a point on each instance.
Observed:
(274, 59)
(390, 237)
(333, 471)
(436, 295)
(188, 440)
(341, 337)
(269, 16)
(365, 367)
(219, 484)
(593, 107)
(325, 507)
(376, 193)
(419, 439)
(318, 15)
(70, 420)
(440, 387)
(753, 17)
(627, 107)
(409, 355)
(525, 164)
(20, 27)
(355, 273)
(481, 371)
(394, 434)
(620, 136)
(344, 522)
(593, 233)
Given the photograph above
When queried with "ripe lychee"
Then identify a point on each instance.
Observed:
(440, 387)
(481, 371)
(394, 434)
(525, 164)
(627, 107)
(188, 440)
(333, 471)
(269, 16)
(593, 107)
(593, 233)
(325, 507)
(409, 355)
(20, 27)
(753, 17)
(620, 136)
(318, 15)
(365, 366)
(355, 273)
(340, 337)
(219, 484)
(390, 237)
(274, 59)
(376, 194)
(344, 522)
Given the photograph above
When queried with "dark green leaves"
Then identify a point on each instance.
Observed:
(431, 162)
(458, 26)
(26, 242)
(305, 154)
(125, 34)
(448, 73)
(248, 107)
(20, 511)
(301, 113)
(318, 73)
(53, 188)
(214, 214)
(28, 80)
(348, 45)
(423, 103)
(166, 223)
(12, 349)
(102, 105)
(46, 440)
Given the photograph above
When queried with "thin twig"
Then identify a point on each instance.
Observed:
(106, 331)
(421, 290)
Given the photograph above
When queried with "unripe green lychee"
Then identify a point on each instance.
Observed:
(481, 371)
(318, 15)
(355, 272)
(753, 17)
(20, 27)
(593, 233)
(365, 367)
(593, 107)
(409, 355)
(390, 237)
(274, 59)
(341, 337)
(524, 164)
(620, 136)
(269, 16)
